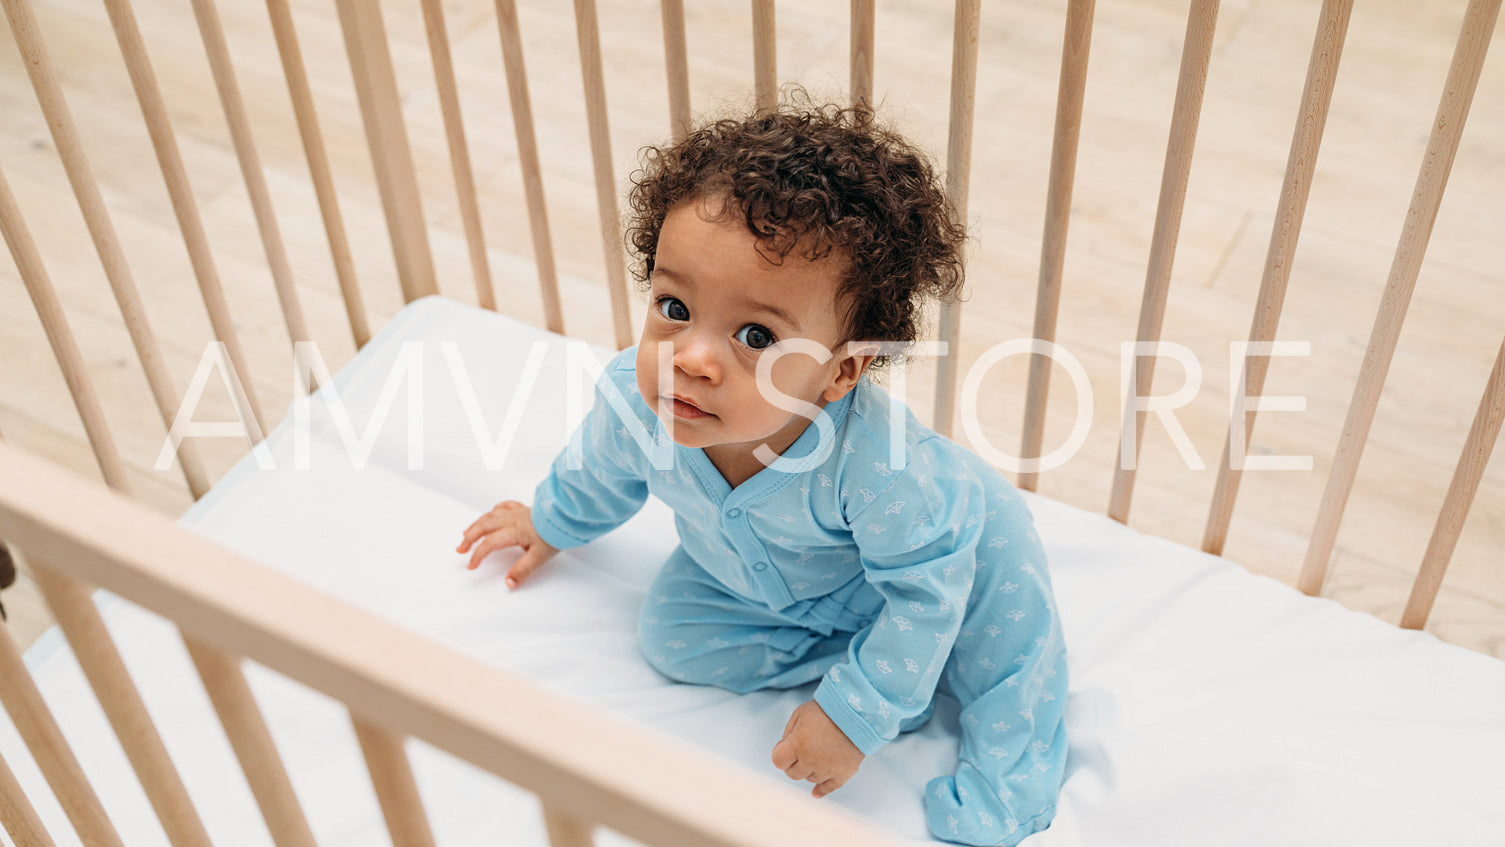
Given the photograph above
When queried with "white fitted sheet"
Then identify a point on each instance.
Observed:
(1208, 706)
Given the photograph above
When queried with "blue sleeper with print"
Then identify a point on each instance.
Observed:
(886, 574)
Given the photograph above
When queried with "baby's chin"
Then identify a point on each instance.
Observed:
(687, 440)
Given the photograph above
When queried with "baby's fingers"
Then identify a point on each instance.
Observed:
(827, 787)
(784, 754)
(527, 564)
(497, 540)
(488, 522)
(476, 531)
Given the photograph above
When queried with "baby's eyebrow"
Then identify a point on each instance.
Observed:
(662, 272)
(775, 311)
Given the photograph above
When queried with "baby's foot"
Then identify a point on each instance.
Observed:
(966, 809)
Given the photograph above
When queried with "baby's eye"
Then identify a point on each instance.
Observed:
(673, 309)
(755, 337)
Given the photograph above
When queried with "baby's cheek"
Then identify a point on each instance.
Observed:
(800, 380)
(647, 381)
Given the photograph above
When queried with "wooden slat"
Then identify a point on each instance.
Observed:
(396, 789)
(588, 35)
(29, 712)
(97, 219)
(1447, 129)
(318, 167)
(17, 814)
(1070, 95)
(1460, 496)
(527, 153)
(968, 25)
(387, 138)
(170, 159)
(565, 830)
(73, 607)
(677, 66)
(583, 760)
(765, 57)
(223, 71)
(1196, 55)
(225, 681)
(60, 337)
(1306, 141)
(232, 699)
(459, 151)
(863, 36)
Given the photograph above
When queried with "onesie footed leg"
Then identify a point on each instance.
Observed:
(1012, 760)
(967, 809)
(741, 659)
(692, 629)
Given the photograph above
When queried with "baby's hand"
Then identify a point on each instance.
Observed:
(814, 749)
(507, 525)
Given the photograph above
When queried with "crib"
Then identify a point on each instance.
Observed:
(398, 202)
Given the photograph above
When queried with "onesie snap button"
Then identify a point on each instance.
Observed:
(760, 566)
(734, 513)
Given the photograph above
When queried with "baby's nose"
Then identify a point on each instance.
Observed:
(697, 357)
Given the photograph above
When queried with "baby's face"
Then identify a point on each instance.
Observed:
(724, 307)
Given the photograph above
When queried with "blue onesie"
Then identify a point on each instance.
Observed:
(886, 581)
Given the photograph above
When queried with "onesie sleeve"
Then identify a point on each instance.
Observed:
(600, 481)
(918, 539)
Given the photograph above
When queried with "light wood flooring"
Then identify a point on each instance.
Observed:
(1389, 84)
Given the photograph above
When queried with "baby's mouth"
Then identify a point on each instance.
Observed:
(685, 409)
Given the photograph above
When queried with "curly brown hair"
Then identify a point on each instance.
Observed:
(820, 179)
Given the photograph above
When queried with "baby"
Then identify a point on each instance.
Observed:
(777, 251)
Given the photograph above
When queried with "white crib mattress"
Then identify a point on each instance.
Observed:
(1208, 706)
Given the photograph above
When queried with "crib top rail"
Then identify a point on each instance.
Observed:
(579, 759)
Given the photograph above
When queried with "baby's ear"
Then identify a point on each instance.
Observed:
(856, 356)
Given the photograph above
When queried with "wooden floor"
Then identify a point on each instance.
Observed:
(1390, 81)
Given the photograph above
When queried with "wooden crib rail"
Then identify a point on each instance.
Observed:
(589, 39)
(588, 766)
(1460, 496)
(14, 807)
(29, 712)
(1076, 47)
(223, 71)
(527, 151)
(72, 603)
(765, 56)
(102, 232)
(1301, 164)
(387, 138)
(64, 348)
(307, 116)
(1447, 131)
(230, 693)
(676, 66)
(459, 151)
(966, 28)
(170, 159)
(1196, 55)
(862, 37)
(396, 788)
